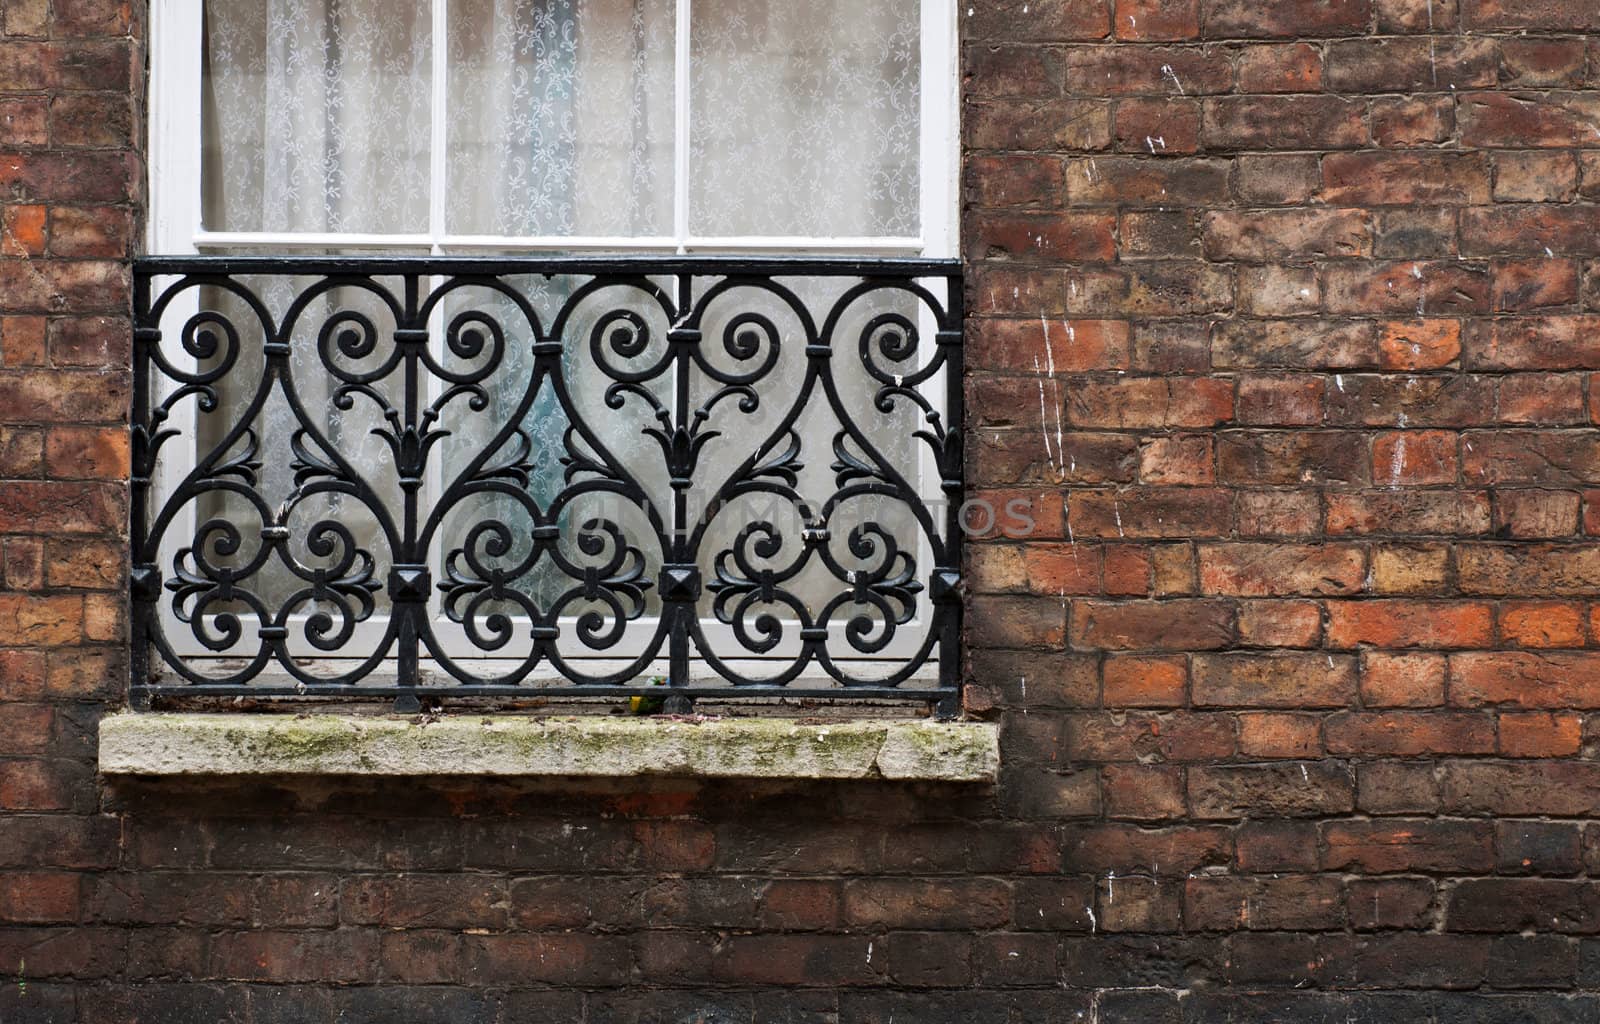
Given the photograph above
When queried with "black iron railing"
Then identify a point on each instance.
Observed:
(417, 477)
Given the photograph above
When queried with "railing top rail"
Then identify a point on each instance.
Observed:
(499, 265)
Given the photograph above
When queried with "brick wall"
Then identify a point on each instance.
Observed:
(1280, 333)
(1282, 316)
(70, 181)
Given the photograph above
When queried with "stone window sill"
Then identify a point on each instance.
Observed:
(161, 744)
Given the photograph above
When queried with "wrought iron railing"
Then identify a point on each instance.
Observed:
(412, 478)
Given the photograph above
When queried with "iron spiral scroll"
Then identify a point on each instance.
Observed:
(399, 478)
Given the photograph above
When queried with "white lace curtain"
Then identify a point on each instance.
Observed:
(561, 117)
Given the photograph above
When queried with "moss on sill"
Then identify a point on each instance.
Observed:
(156, 744)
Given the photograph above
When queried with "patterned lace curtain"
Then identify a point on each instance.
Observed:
(804, 117)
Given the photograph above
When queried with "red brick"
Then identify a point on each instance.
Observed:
(1274, 680)
(1014, 180)
(1229, 19)
(1157, 127)
(95, 231)
(22, 340)
(1526, 680)
(1400, 122)
(1450, 513)
(1280, 67)
(1409, 569)
(1543, 63)
(1538, 734)
(1154, 20)
(1412, 65)
(1148, 512)
(1393, 400)
(1420, 344)
(1073, 345)
(22, 228)
(1305, 789)
(1575, 15)
(1280, 623)
(1017, 622)
(1541, 399)
(1150, 402)
(1259, 236)
(1389, 903)
(1289, 458)
(1536, 514)
(1280, 735)
(87, 453)
(1550, 457)
(1414, 458)
(1152, 625)
(1283, 122)
(1295, 344)
(1075, 238)
(1531, 570)
(1127, 570)
(1038, 125)
(1123, 847)
(1409, 734)
(1530, 230)
(1012, 70)
(1278, 570)
(1143, 792)
(1139, 682)
(1036, 21)
(1279, 290)
(1173, 461)
(1502, 121)
(1280, 400)
(1388, 847)
(1230, 902)
(1522, 286)
(1404, 179)
(1402, 680)
(38, 897)
(1415, 288)
(1398, 623)
(963, 903)
(43, 620)
(1534, 177)
(1147, 71)
(1132, 181)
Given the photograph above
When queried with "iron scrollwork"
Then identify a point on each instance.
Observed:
(409, 476)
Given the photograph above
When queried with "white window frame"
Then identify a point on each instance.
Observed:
(175, 227)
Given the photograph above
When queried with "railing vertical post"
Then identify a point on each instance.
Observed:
(141, 603)
(680, 588)
(953, 483)
(410, 580)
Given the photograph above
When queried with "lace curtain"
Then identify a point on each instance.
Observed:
(804, 117)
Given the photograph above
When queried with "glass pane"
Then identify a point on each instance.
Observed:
(805, 118)
(317, 115)
(561, 117)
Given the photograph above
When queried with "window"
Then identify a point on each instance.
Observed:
(514, 349)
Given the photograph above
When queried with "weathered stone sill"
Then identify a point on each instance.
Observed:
(156, 744)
